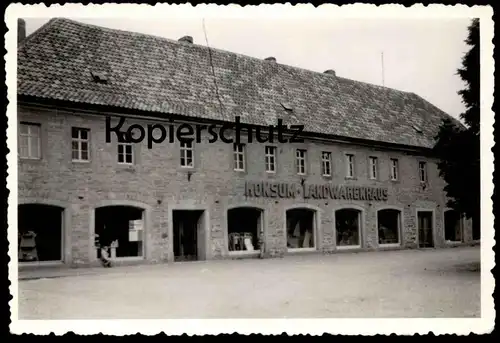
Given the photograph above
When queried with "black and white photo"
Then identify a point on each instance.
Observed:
(221, 163)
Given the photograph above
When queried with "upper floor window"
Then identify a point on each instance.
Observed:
(350, 165)
(422, 171)
(29, 141)
(270, 159)
(301, 161)
(187, 160)
(326, 163)
(373, 167)
(125, 153)
(239, 157)
(80, 144)
(394, 169)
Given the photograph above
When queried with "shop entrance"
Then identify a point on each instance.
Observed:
(300, 224)
(425, 229)
(121, 228)
(189, 235)
(40, 233)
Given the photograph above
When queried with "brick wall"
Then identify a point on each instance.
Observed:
(158, 183)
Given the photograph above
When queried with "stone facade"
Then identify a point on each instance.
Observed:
(157, 184)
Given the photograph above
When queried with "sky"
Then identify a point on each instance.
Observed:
(414, 55)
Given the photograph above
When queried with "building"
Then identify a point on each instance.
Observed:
(364, 177)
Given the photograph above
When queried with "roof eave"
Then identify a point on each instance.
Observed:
(120, 111)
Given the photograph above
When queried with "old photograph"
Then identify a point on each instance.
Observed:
(224, 164)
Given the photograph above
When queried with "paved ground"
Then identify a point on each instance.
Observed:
(416, 283)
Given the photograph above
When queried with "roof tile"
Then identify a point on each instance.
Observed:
(162, 75)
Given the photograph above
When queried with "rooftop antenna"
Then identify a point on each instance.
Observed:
(382, 59)
(213, 69)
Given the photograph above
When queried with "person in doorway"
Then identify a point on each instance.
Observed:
(105, 246)
(106, 261)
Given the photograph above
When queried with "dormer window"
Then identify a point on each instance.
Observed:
(287, 106)
(99, 77)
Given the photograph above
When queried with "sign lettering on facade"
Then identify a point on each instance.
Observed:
(313, 191)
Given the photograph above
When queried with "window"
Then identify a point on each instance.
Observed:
(348, 227)
(350, 165)
(422, 171)
(389, 224)
(187, 154)
(239, 157)
(80, 144)
(270, 159)
(125, 153)
(301, 161)
(373, 167)
(394, 169)
(326, 163)
(244, 225)
(29, 141)
(300, 228)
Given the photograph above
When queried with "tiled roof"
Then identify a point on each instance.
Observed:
(147, 73)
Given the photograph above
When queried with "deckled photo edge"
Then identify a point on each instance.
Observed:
(267, 326)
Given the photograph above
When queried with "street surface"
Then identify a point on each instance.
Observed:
(410, 283)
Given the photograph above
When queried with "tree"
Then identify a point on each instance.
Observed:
(458, 146)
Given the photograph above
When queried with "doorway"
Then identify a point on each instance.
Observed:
(40, 233)
(425, 229)
(452, 226)
(189, 235)
(122, 229)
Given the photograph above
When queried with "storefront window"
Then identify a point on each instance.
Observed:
(347, 225)
(244, 229)
(300, 228)
(389, 223)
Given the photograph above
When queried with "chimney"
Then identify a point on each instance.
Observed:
(270, 59)
(330, 72)
(186, 39)
(21, 30)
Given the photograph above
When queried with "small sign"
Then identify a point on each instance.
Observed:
(135, 225)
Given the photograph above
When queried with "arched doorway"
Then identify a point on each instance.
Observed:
(122, 228)
(301, 229)
(40, 233)
(389, 227)
(244, 227)
(348, 228)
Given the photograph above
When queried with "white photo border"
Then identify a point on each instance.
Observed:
(374, 326)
